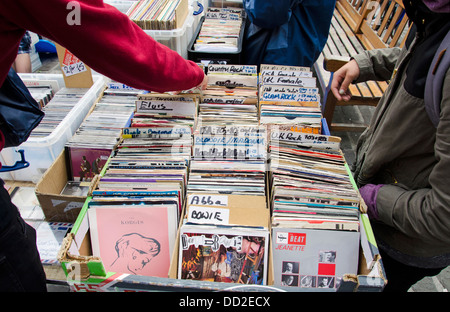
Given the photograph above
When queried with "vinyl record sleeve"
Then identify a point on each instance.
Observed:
(134, 239)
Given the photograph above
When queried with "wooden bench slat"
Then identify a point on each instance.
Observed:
(377, 20)
(382, 85)
(350, 35)
(398, 33)
(364, 90)
(357, 100)
(348, 13)
(350, 48)
(390, 29)
(370, 39)
(386, 19)
(331, 45)
(354, 90)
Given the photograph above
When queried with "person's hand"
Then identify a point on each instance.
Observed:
(204, 83)
(342, 78)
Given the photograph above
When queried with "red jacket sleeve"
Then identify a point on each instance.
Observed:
(106, 40)
(2, 144)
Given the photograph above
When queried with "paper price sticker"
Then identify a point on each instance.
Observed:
(73, 69)
(72, 65)
(208, 215)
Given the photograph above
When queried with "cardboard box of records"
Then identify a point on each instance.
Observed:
(210, 221)
(88, 272)
(216, 221)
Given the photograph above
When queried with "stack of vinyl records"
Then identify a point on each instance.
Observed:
(142, 173)
(240, 143)
(230, 97)
(138, 199)
(42, 94)
(99, 133)
(227, 177)
(227, 254)
(134, 234)
(315, 211)
(162, 142)
(224, 235)
(229, 160)
(163, 109)
(220, 30)
(288, 95)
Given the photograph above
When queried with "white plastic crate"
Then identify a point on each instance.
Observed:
(41, 152)
(121, 5)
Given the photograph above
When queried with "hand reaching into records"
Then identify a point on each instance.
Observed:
(342, 79)
(204, 83)
(201, 86)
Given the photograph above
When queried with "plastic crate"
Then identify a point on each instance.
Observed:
(176, 39)
(216, 57)
(41, 152)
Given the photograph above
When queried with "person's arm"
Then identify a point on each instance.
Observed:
(107, 41)
(371, 65)
(378, 64)
(268, 13)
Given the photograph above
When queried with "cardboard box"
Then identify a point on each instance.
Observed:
(86, 273)
(57, 207)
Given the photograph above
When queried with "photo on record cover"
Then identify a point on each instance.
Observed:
(223, 258)
(85, 163)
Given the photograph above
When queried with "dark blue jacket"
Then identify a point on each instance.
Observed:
(286, 32)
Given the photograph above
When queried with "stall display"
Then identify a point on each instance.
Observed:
(236, 185)
(284, 191)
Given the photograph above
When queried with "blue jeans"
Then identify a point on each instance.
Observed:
(20, 265)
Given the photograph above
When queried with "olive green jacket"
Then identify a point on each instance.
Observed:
(404, 151)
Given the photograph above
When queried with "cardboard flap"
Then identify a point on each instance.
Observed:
(76, 74)
(55, 178)
(78, 267)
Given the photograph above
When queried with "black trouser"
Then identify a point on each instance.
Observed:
(20, 265)
(401, 276)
